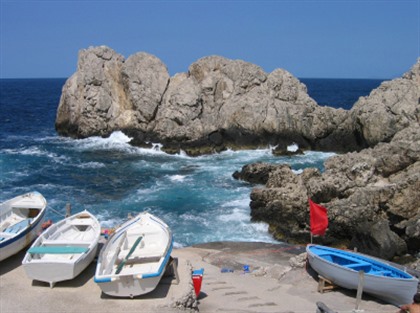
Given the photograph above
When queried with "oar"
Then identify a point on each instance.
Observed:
(121, 265)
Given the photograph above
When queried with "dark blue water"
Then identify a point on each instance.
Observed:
(197, 197)
(339, 93)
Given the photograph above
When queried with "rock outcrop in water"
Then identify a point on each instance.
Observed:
(372, 196)
(218, 103)
(222, 103)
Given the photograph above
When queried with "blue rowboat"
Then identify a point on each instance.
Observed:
(20, 222)
(381, 280)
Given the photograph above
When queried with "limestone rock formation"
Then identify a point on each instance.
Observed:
(222, 103)
(109, 93)
(92, 97)
(218, 103)
(393, 106)
(372, 197)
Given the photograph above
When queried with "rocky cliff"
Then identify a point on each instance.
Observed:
(218, 103)
(372, 196)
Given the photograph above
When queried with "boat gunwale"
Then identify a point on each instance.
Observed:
(31, 226)
(90, 245)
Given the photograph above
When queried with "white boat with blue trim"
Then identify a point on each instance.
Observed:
(381, 280)
(134, 259)
(64, 250)
(20, 222)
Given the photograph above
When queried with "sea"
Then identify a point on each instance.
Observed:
(196, 196)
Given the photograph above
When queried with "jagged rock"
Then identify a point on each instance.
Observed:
(378, 239)
(280, 204)
(218, 103)
(281, 151)
(372, 198)
(372, 195)
(256, 173)
(391, 107)
(93, 98)
(223, 103)
(188, 301)
(299, 261)
(145, 80)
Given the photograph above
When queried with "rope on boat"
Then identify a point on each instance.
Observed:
(56, 212)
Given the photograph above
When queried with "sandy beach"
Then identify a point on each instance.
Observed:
(271, 285)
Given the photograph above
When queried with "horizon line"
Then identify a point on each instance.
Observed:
(365, 78)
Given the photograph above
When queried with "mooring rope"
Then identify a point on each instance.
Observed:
(56, 212)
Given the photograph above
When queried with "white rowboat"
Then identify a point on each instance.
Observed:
(134, 259)
(20, 222)
(64, 250)
(381, 280)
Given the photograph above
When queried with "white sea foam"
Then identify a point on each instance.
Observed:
(146, 194)
(177, 178)
(260, 227)
(178, 245)
(38, 152)
(91, 165)
(34, 151)
(196, 196)
(117, 140)
(196, 218)
(156, 149)
(318, 155)
(243, 203)
(236, 215)
(293, 148)
(107, 222)
(119, 137)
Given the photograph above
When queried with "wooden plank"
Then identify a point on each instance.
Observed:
(325, 284)
(360, 289)
(58, 250)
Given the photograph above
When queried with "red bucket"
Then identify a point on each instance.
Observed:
(197, 277)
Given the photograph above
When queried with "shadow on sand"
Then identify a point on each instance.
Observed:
(12, 262)
(78, 281)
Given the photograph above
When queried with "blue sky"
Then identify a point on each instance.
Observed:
(319, 39)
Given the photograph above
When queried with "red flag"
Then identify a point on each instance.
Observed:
(319, 218)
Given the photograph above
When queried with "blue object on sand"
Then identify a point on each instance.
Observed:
(199, 272)
(246, 268)
(226, 270)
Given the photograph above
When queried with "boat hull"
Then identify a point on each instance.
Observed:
(55, 270)
(11, 246)
(145, 262)
(130, 287)
(64, 250)
(393, 290)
